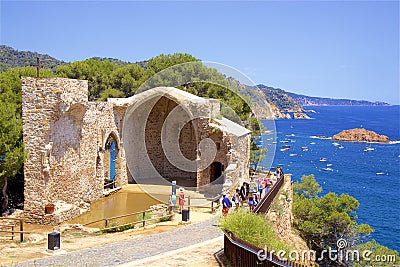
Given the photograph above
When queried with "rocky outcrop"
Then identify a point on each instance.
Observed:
(281, 216)
(300, 116)
(360, 135)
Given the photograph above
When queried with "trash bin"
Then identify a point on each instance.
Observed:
(185, 215)
(53, 241)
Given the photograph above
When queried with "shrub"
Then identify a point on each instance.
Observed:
(254, 229)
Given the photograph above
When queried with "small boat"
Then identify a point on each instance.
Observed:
(335, 144)
(305, 149)
(284, 149)
(312, 143)
(380, 173)
(274, 142)
(323, 159)
(292, 155)
(327, 169)
(284, 141)
(329, 164)
(369, 149)
(341, 147)
(268, 131)
(286, 146)
(293, 141)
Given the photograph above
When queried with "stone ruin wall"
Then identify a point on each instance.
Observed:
(62, 134)
(65, 137)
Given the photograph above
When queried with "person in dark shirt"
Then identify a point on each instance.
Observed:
(244, 192)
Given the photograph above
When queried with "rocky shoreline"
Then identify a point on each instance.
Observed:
(361, 135)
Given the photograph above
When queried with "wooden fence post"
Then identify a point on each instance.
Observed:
(21, 228)
(144, 219)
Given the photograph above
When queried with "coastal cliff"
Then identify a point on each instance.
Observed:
(360, 135)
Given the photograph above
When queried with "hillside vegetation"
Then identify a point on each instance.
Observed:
(11, 58)
(323, 101)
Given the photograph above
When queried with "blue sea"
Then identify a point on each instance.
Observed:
(371, 176)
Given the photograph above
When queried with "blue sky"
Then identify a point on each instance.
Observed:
(330, 49)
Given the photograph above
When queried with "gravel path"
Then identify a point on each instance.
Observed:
(135, 248)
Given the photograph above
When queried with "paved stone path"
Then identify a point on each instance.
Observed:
(134, 249)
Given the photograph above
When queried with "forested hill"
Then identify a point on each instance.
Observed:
(280, 98)
(11, 58)
(321, 101)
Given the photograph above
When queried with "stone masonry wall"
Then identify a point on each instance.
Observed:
(63, 134)
(65, 138)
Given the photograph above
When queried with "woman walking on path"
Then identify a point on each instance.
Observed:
(260, 186)
(181, 199)
(236, 198)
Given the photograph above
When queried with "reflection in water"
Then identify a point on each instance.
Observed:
(118, 204)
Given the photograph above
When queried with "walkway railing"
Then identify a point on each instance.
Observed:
(242, 253)
(16, 223)
(110, 223)
(265, 202)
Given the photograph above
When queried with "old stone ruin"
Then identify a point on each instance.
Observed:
(75, 146)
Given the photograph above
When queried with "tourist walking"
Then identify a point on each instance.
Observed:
(244, 192)
(278, 173)
(236, 198)
(251, 202)
(181, 199)
(260, 186)
(226, 204)
(281, 171)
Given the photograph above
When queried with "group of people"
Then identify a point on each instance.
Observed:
(248, 195)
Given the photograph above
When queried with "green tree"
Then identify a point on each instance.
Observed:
(376, 255)
(308, 187)
(322, 221)
(97, 73)
(11, 145)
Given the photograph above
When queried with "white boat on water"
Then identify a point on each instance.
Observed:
(312, 143)
(327, 169)
(323, 159)
(329, 164)
(369, 149)
(293, 155)
(285, 149)
(341, 147)
(380, 173)
(335, 144)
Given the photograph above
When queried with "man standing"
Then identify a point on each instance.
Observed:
(244, 192)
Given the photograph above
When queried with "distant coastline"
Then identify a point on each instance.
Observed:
(332, 105)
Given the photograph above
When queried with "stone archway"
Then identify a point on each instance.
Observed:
(111, 156)
(146, 155)
(216, 172)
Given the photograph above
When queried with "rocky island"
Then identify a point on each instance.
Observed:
(360, 135)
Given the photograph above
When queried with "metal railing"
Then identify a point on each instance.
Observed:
(215, 203)
(242, 253)
(266, 201)
(19, 225)
(109, 225)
